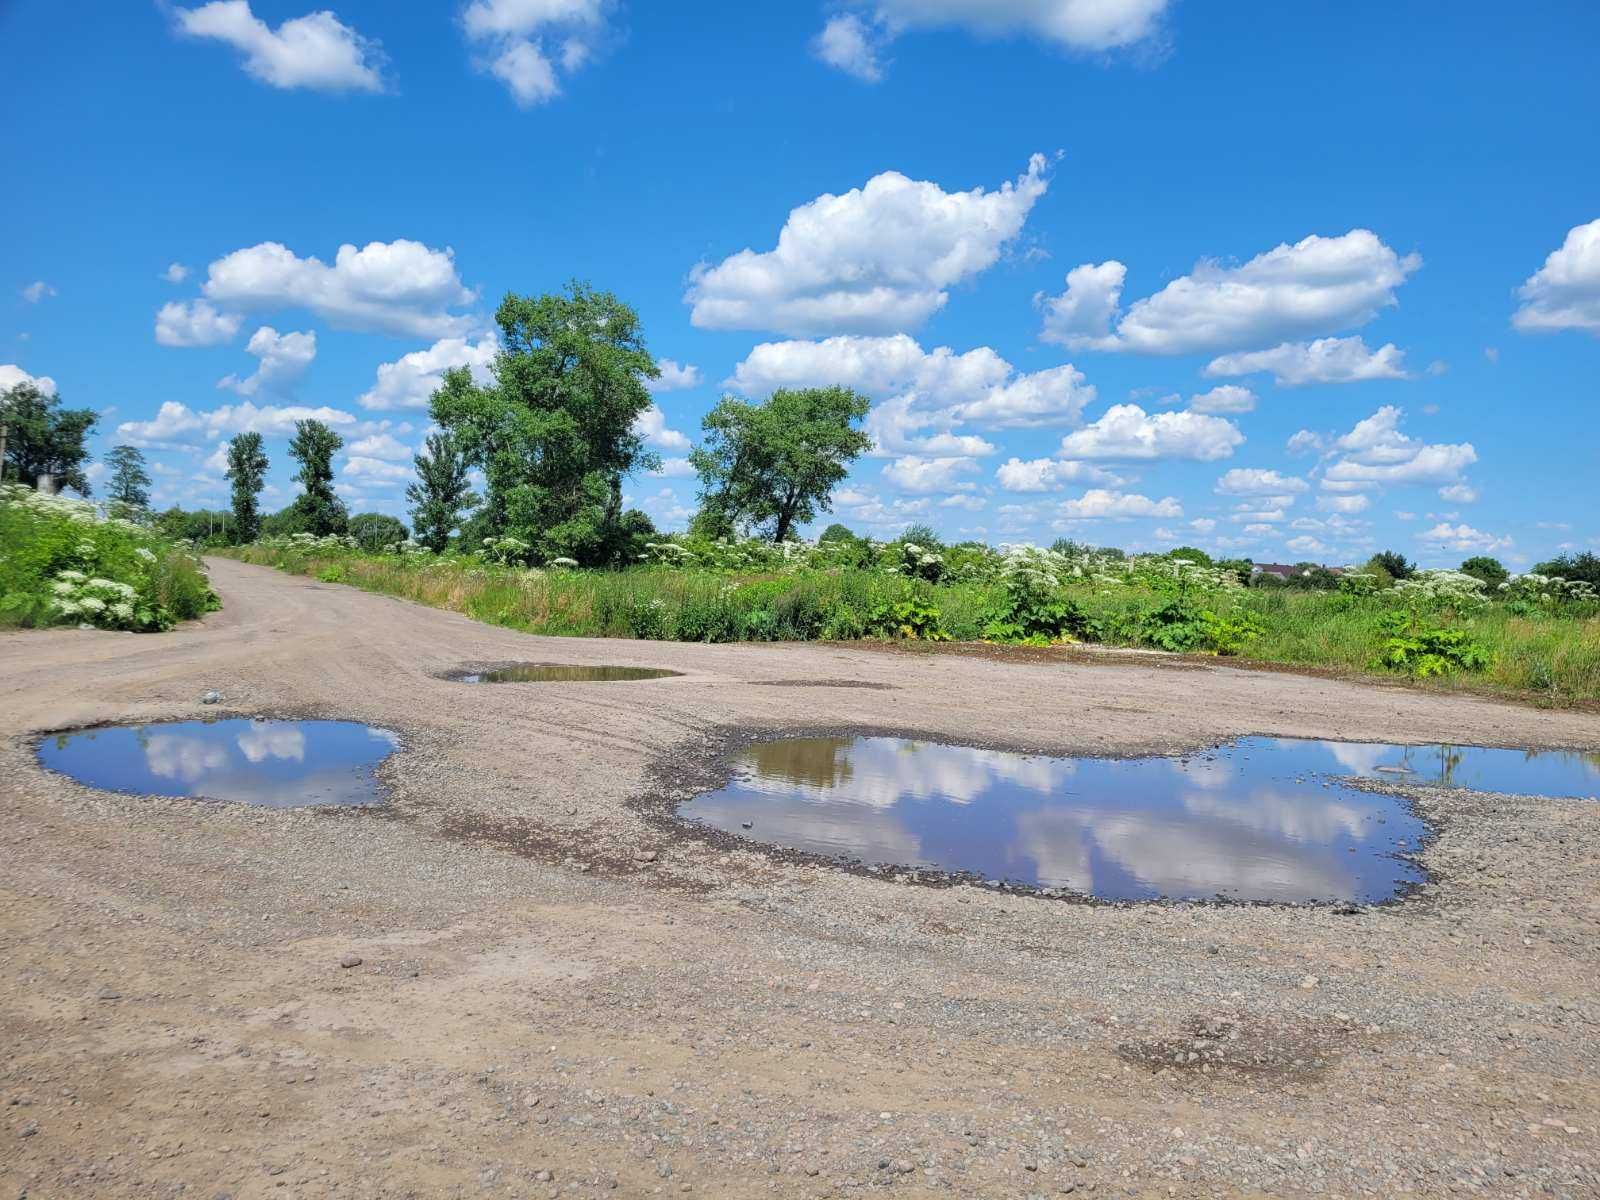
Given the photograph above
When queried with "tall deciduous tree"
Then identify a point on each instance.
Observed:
(42, 438)
(317, 509)
(554, 433)
(773, 466)
(130, 481)
(247, 471)
(441, 494)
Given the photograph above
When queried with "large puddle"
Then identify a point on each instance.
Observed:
(1259, 819)
(559, 673)
(276, 764)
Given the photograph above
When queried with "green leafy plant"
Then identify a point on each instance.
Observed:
(1037, 618)
(910, 618)
(1428, 651)
(1229, 633)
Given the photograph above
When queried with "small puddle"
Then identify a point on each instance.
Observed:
(560, 673)
(1257, 820)
(275, 764)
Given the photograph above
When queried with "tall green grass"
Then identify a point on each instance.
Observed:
(1549, 657)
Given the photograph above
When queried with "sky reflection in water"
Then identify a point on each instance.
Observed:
(1254, 820)
(276, 764)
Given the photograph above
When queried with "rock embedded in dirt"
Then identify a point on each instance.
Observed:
(350, 960)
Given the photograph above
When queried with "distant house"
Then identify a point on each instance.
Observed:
(1289, 570)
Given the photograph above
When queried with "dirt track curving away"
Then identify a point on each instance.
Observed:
(540, 1009)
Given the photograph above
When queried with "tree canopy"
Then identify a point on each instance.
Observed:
(1579, 568)
(554, 433)
(247, 471)
(440, 494)
(772, 466)
(376, 532)
(317, 509)
(1491, 570)
(1392, 563)
(42, 438)
(130, 481)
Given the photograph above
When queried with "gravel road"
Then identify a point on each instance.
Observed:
(552, 992)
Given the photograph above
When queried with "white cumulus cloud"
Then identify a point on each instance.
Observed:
(1464, 538)
(195, 324)
(1225, 398)
(531, 46)
(1100, 503)
(284, 358)
(1349, 504)
(1049, 474)
(1318, 285)
(411, 380)
(315, 51)
(1565, 292)
(375, 472)
(400, 287)
(37, 291)
(1258, 481)
(1325, 360)
(176, 424)
(1127, 432)
(1375, 452)
(12, 376)
(852, 42)
(651, 425)
(916, 474)
(381, 445)
(675, 376)
(878, 259)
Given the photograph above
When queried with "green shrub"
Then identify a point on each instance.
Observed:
(1425, 651)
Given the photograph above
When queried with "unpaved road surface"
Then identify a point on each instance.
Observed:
(539, 1011)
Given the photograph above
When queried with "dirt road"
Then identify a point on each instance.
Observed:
(541, 1011)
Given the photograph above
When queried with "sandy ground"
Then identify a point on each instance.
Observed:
(541, 1010)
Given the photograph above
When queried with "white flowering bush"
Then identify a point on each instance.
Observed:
(1548, 591)
(65, 561)
(505, 550)
(1436, 590)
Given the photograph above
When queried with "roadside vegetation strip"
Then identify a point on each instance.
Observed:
(1532, 636)
(67, 562)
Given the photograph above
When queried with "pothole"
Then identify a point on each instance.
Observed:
(558, 673)
(1260, 820)
(275, 764)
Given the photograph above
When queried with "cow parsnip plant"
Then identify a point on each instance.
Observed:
(66, 562)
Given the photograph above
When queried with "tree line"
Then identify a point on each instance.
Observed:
(553, 434)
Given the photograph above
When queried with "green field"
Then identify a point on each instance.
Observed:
(1531, 640)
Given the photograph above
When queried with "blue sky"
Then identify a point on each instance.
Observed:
(1292, 281)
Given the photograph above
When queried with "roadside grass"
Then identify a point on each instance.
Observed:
(1549, 658)
(64, 562)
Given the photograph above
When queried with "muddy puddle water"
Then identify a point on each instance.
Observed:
(1259, 819)
(277, 764)
(558, 673)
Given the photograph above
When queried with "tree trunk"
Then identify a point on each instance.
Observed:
(785, 519)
